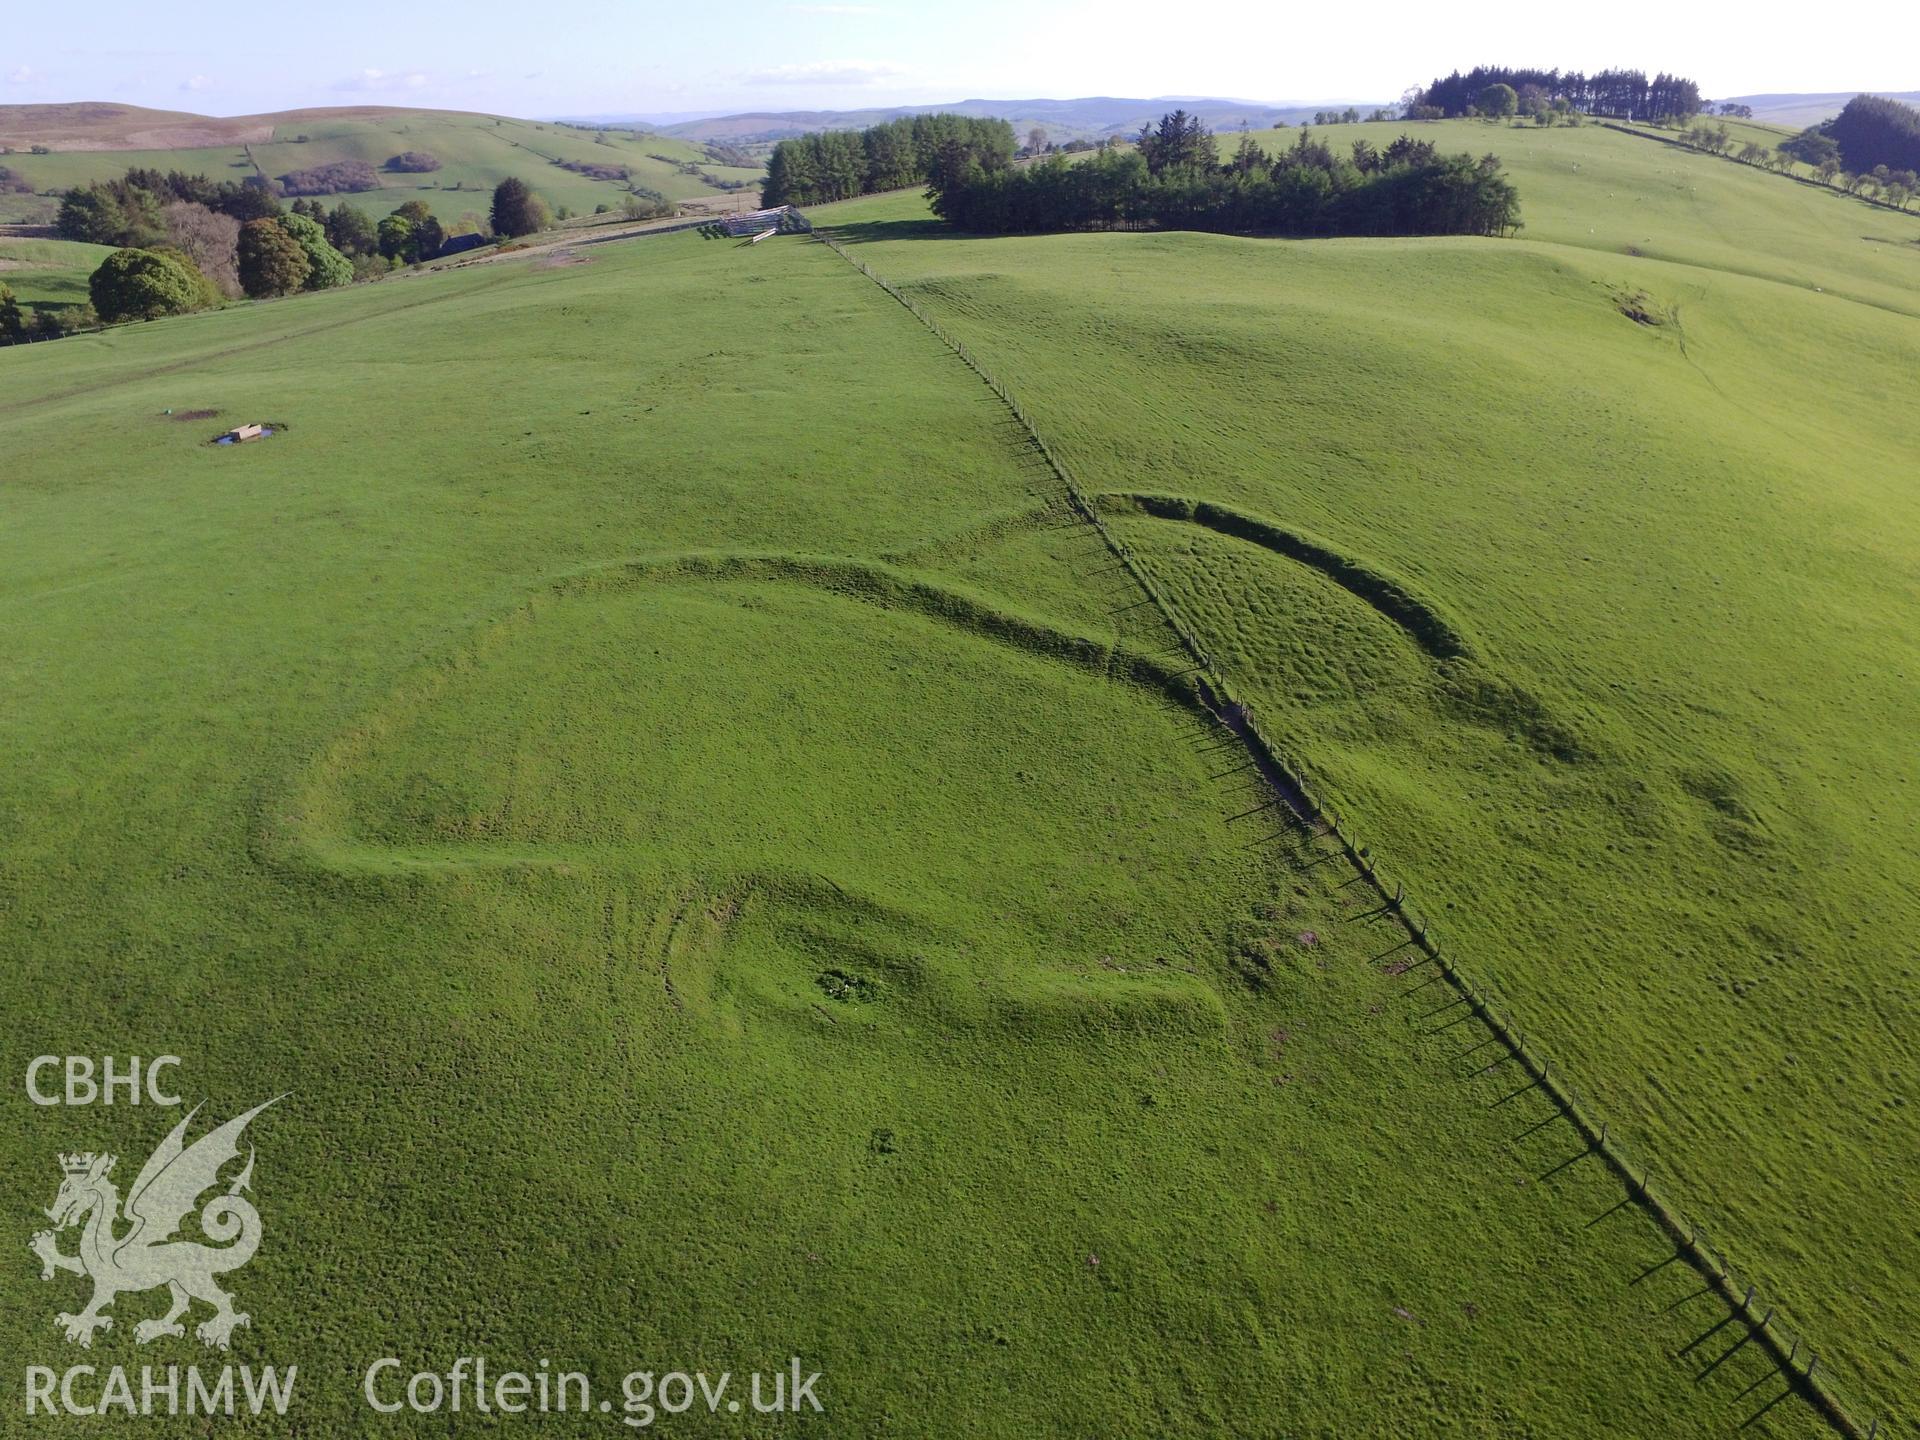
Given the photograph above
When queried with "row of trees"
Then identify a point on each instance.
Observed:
(1816, 150)
(133, 211)
(1349, 116)
(176, 253)
(840, 164)
(267, 257)
(130, 211)
(1174, 179)
(1624, 94)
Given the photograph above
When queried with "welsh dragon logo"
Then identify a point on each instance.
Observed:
(137, 1250)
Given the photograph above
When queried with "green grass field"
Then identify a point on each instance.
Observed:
(49, 274)
(1593, 188)
(476, 152)
(715, 848)
(1664, 801)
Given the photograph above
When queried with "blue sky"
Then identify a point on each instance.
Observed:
(226, 57)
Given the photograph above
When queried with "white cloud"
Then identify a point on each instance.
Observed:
(196, 82)
(23, 75)
(828, 72)
(376, 80)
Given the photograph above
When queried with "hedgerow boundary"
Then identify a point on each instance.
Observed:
(1289, 779)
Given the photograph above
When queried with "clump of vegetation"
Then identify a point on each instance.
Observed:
(1622, 94)
(272, 260)
(1873, 131)
(14, 183)
(334, 178)
(209, 239)
(413, 162)
(13, 322)
(350, 230)
(840, 164)
(1174, 179)
(597, 171)
(127, 211)
(847, 989)
(643, 205)
(412, 233)
(326, 266)
(516, 209)
(147, 284)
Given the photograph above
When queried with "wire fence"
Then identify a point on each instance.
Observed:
(1797, 1361)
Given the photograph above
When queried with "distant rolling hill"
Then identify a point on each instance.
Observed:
(102, 125)
(1801, 111)
(1088, 118)
(92, 140)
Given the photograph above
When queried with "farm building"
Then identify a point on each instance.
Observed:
(460, 244)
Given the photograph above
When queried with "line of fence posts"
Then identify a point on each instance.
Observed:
(1684, 1234)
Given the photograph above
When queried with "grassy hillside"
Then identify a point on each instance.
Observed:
(1652, 465)
(49, 274)
(729, 869)
(1592, 188)
(476, 152)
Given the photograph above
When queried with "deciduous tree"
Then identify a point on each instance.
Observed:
(13, 324)
(207, 238)
(272, 262)
(516, 209)
(146, 284)
(326, 266)
(350, 231)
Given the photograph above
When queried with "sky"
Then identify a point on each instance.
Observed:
(605, 57)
